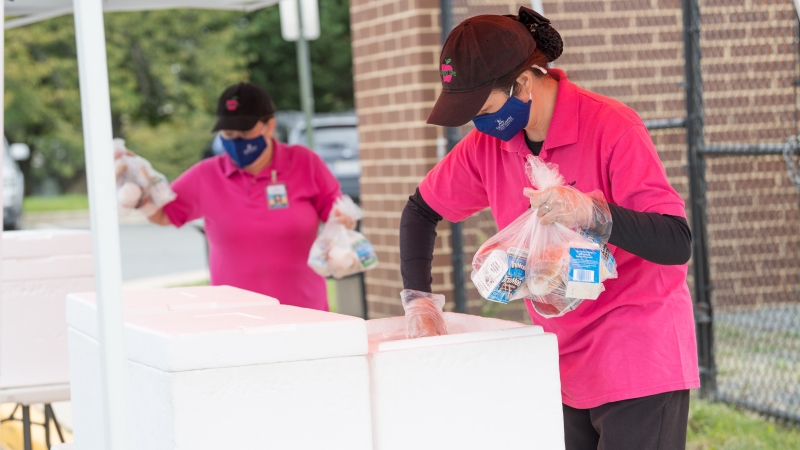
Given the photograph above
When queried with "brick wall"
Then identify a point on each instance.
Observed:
(631, 50)
(749, 63)
(396, 45)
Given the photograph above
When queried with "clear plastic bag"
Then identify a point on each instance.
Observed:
(338, 251)
(138, 182)
(553, 266)
(423, 314)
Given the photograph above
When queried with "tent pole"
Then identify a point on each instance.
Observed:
(97, 137)
(2, 123)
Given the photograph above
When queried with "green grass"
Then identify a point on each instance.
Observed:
(68, 202)
(714, 426)
(199, 283)
(332, 294)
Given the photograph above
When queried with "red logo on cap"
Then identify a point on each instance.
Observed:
(232, 104)
(447, 71)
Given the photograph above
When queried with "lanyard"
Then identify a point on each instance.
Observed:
(277, 194)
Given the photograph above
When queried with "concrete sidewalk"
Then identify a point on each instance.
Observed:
(70, 219)
(147, 250)
(193, 278)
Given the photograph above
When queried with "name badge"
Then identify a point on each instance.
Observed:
(277, 197)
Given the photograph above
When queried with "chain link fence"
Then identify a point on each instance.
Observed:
(750, 70)
(635, 51)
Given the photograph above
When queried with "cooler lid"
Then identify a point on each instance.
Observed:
(48, 268)
(45, 243)
(82, 307)
(389, 334)
(205, 339)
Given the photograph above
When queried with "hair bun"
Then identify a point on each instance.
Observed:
(548, 41)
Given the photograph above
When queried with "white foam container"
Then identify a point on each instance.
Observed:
(40, 267)
(213, 373)
(29, 244)
(488, 384)
(69, 446)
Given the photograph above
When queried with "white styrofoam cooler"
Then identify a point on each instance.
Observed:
(488, 384)
(40, 267)
(62, 447)
(210, 373)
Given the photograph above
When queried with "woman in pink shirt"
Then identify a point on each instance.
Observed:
(262, 202)
(629, 358)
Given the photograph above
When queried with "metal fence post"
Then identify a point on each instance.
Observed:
(456, 229)
(697, 194)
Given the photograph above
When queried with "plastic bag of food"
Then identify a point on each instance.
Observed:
(423, 314)
(138, 182)
(338, 251)
(553, 266)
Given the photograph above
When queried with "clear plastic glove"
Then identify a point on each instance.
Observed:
(138, 185)
(572, 208)
(343, 218)
(563, 204)
(346, 212)
(423, 314)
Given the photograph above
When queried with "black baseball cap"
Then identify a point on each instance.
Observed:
(241, 105)
(478, 52)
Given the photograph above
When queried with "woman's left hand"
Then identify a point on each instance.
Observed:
(562, 204)
(343, 219)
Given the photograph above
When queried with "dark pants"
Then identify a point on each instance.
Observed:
(656, 422)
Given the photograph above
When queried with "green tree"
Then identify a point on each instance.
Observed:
(272, 62)
(166, 71)
(42, 103)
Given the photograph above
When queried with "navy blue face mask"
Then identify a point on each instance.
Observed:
(244, 151)
(507, 121)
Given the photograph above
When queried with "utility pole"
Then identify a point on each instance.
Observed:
(304, 72)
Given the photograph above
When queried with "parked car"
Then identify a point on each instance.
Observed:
(13, 183)
(335, 141)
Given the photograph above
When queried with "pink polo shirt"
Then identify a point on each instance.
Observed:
(252, 247)
(638, 337)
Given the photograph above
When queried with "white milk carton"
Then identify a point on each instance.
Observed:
(489, 383)
(212, 374)
(40, 267)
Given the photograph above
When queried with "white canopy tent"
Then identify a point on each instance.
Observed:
(30, 11)
(97, 134)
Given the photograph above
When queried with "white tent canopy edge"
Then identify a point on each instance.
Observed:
(31, 11)
(97, 133)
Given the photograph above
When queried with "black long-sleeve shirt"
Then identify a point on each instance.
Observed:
(658, 238)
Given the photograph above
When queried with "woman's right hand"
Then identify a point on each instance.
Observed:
(155, 214)
(423, 314)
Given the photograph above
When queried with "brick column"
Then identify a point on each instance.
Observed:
(396, 45)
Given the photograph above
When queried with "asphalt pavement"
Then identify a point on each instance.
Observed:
(148, 251)
(155, 251)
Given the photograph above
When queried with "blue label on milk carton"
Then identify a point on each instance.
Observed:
(366, 253)
(583, 281)
(584, 265)
(607, 260)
